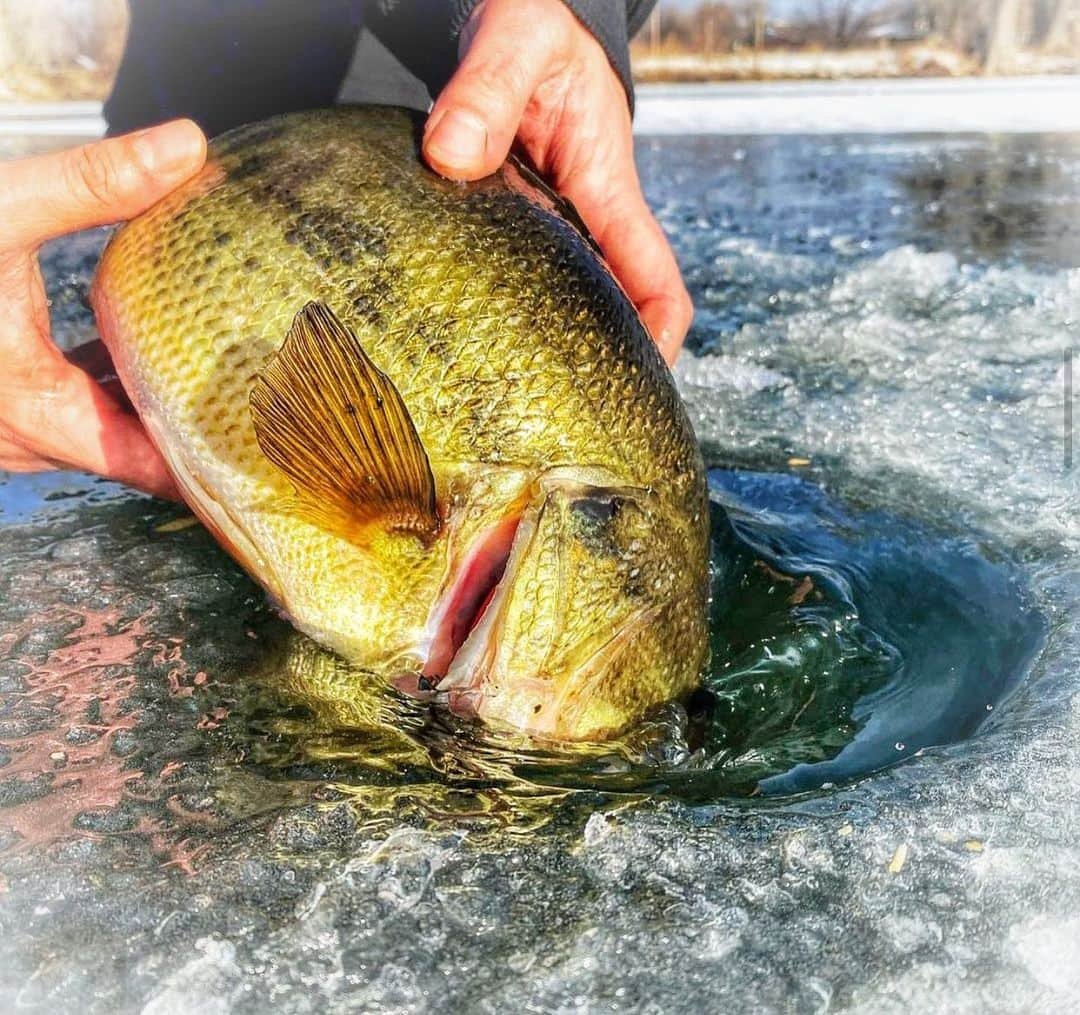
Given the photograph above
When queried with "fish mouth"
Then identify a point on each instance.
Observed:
(464, 618)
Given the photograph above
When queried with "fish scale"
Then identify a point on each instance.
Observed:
(528, 378)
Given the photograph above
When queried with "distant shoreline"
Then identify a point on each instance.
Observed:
(774, 64)
(896, 62)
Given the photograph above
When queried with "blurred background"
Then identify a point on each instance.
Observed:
(69, 49)
(690, 40)
(60, 49)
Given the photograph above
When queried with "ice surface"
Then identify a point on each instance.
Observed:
(907, 106)
(895, 310)
(50, 120)
(968, 356)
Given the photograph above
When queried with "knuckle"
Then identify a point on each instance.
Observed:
(498, 87)
(95, 175)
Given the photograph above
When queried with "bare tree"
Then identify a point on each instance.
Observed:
(841, 22)
(993, 31)
(749, 20)
(7, 43)
(1062, 26)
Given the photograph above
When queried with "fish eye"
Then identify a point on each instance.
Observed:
(596, 510)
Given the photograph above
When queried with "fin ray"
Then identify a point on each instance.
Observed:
(335, 425)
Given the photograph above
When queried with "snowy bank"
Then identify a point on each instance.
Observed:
(915, 106)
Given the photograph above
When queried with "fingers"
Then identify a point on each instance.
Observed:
(97, 184)
(668, 319)
(52, 414)
(66, 419)
(511, 49)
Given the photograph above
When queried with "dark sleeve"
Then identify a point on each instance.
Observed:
(227, 62)
(422, 34)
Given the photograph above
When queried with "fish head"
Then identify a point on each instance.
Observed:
(571, 618)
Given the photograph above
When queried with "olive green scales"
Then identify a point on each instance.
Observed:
(424, 416)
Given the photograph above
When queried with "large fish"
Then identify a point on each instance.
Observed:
(424, 416)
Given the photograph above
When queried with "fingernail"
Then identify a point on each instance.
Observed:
(170, 147)
(459, 139)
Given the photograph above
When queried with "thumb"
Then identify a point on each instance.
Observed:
(474, 121)
(97, 184)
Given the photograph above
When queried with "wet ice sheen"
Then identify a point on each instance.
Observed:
(892, 311)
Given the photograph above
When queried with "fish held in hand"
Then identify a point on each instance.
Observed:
(424, 416)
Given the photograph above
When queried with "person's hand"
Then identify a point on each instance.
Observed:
(530, 70)
(52, 414)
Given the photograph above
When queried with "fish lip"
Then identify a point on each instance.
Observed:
(467, 594)
(469, 668)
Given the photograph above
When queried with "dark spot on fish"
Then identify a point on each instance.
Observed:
(253, 133)
(634, 588)
(339, 233)
(371, 294)
(594, 519)
(179, 220)
(366, 307)
(285, 197)
(248, 166)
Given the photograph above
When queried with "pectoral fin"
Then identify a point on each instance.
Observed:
(336, 426)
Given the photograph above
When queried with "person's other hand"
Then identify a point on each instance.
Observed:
(530, 70)
(52, 414)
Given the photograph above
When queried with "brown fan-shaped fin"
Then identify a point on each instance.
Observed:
(334, 423)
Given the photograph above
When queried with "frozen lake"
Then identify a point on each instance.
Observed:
(905, 106)
(876, 373)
